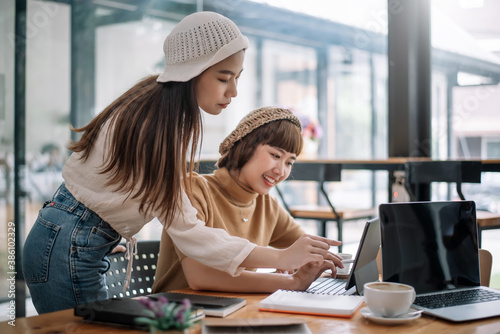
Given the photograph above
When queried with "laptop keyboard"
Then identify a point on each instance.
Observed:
(455, 298)
(329, 287)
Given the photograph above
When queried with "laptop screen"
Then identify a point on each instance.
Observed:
(431, 246)
(365, 269)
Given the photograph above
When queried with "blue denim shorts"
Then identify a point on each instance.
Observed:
(64, 256)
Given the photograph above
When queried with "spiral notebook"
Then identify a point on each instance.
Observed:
(302, 302)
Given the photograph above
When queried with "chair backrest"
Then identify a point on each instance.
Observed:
(207, 166)
(143, 271)
(315, 171)
(425, 172)
(485, 263)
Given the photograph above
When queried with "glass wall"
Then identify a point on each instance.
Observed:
(358, 123)
(7, 55)
(48, 82)
(289, 79)
(465, 93)
(465, 99)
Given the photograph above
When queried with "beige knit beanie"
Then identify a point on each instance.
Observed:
(197, 42)
(255, 119)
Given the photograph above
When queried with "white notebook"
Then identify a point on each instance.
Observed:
(302, 302)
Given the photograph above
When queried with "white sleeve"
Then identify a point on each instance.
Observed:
(213, 247)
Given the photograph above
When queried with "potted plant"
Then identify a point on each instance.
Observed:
(162, 316)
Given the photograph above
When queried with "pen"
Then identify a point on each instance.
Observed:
(347, 261)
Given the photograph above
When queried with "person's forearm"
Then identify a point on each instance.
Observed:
(205, 278)
(308, 248)
(262, 257)
(249, 282)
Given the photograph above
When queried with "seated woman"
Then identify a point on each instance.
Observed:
(256, 156)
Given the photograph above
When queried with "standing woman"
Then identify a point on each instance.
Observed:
(130, 166)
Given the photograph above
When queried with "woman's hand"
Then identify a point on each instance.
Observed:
(309, 248)
(309, 272)
(119, 249)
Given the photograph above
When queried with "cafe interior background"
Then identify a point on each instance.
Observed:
(326, 60)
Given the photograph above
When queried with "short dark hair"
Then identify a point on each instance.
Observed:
(281, 133)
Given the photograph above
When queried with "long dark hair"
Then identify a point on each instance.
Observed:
(153, 127)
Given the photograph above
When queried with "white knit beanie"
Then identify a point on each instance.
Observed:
(197, 42)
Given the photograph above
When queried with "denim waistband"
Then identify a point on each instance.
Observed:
(64, 200)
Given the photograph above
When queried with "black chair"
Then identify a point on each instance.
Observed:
(207, 166)
(420, 174)
(323, 210)
(143, 271)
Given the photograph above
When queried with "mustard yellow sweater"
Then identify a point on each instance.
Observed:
(222, 202)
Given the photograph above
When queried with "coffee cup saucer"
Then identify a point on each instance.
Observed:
(402, 319)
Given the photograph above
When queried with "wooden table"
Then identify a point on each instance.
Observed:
(390, 164)
(66, 322)
(490, 165)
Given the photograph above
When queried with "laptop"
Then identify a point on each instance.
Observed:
(433, 247)
(123, 312)
(364, 268)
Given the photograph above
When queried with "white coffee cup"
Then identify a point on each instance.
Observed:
(347, 266)
(388, 299)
